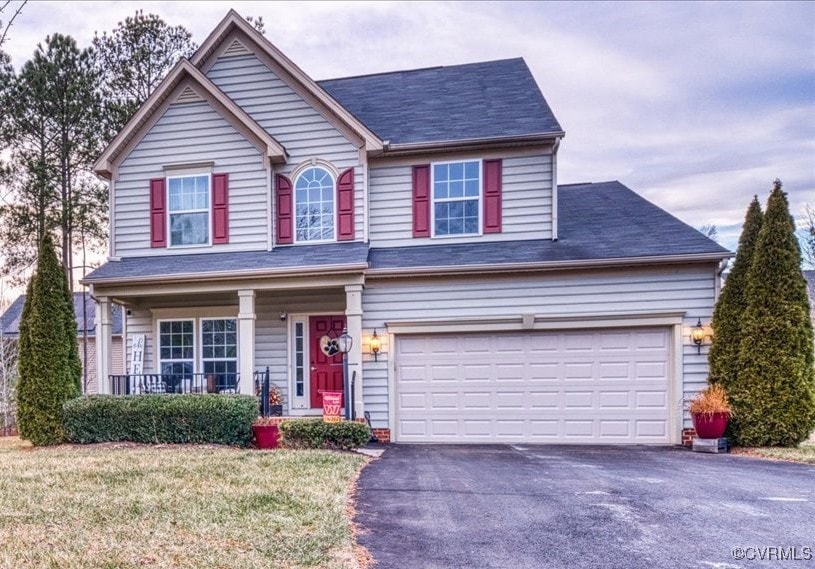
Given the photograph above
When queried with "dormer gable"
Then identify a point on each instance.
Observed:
(185, 83)
(234, 34)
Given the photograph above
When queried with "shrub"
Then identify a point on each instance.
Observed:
(49, 364)
(196, 419)
(723, 356)
(773, 397)
(315, 433)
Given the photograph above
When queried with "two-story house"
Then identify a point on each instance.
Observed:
(256, 213)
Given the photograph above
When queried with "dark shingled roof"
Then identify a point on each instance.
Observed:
(595, 221)
(300, 256)
(10, 319)
(459, 102)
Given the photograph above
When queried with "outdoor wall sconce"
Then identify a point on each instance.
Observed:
(376, 345)
(283, 316)
(697, 334)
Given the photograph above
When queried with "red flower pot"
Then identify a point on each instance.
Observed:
(710, 426)
(266, 436)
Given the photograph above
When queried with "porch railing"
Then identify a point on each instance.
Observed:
(131, 384)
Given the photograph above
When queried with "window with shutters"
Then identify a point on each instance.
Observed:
(314, 205)
(456, 190)
(188, 210)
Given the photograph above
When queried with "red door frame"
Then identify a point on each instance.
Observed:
(325, 371)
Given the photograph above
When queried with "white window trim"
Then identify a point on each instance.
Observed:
(159, 360)
(446, 200)
(305, 400)
(236, 359)
(170, 245)
(197, 343)
(333, 177)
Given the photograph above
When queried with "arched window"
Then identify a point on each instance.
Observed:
(314, 205)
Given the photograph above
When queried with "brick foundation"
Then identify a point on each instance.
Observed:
(687, 437)
(382, 435)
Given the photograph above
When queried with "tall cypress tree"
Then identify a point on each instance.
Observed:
(724, 353)
(24, 354)
(773, 397)
(47, 378)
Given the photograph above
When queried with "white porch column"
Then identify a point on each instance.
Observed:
(353, 315)
(104, 340)
(246, 340)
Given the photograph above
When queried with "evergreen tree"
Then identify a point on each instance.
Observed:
(52, 110)
(774, 396)
(47, 379)
(74, 362)
(133, 60)
(24, 354)
(724, 353)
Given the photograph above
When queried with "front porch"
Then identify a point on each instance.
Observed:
(216, 338)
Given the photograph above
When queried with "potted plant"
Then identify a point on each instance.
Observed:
(275, 402)
(711, 412)
(267, 434)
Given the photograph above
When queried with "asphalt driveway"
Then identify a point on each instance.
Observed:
(422, 506)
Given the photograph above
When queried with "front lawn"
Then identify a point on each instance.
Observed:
(805, 452)
(119, 506)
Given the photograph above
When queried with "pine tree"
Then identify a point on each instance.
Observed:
(774, 396)
(724, 353)
(47, 379)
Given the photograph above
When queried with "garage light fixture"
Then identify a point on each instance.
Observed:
(697, 334)
(375, 344)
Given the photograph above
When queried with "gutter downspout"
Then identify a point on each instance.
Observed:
(554, 188)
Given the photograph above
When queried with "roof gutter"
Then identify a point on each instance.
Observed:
(547, 265)
(230, 275)
(471, 143)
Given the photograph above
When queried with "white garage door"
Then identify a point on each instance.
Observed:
(588, 386)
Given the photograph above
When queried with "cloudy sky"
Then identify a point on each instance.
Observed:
(695, 106)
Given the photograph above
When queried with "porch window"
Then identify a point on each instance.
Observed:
(314, 205)
(456, 198)
(176, 352)
(219, 353)
(299, 359)
(188, 210)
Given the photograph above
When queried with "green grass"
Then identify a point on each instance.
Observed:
(124, 505)
(805, 452)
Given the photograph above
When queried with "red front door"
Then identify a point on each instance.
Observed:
(326, 371)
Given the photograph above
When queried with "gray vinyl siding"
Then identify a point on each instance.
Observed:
(526, 203)
(191, 133)
(690, 289)
(291, 120)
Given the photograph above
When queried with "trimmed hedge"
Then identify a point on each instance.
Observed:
(196, 419)
(315, 433)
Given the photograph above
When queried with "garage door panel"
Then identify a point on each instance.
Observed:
(577, 386)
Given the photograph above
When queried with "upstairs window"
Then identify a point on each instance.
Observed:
(188, 211)
(456, 198)
(314, 205)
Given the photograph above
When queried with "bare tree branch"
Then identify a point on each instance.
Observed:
(11, 20)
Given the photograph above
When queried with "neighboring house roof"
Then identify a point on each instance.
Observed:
(303, 258)
(85, 319)
(183, 75)
(598, 224)
(476, 101)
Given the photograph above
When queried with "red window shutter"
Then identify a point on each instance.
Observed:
(345, 206)
(220, 209)
(492, 196)
(285, 206)
(421, 201)
(158, 214)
